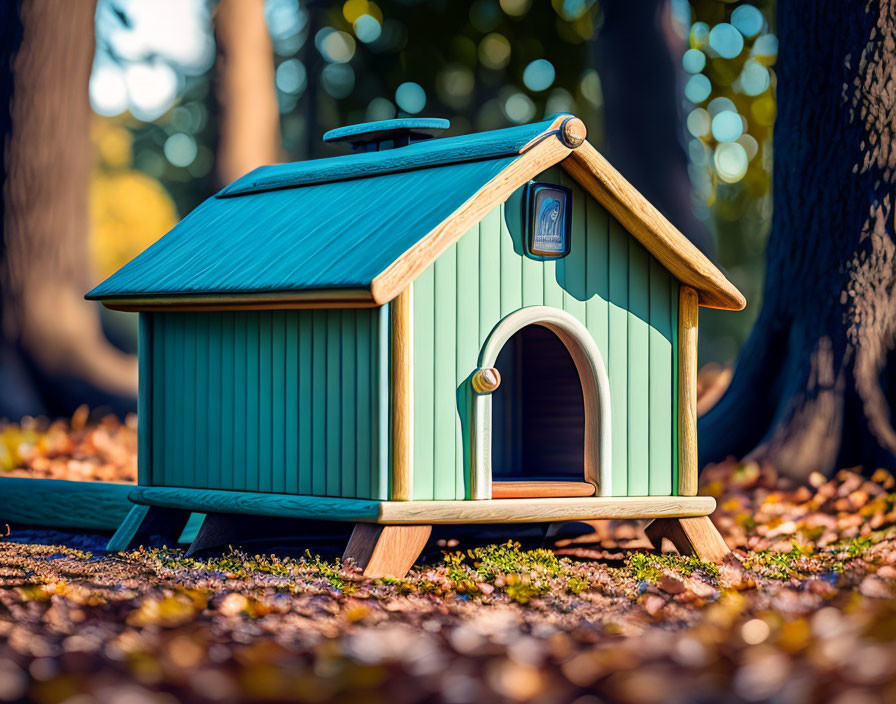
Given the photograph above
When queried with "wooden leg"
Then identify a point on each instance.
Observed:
(383, 551)
(150, 526)
(216, 530)
(690, 536)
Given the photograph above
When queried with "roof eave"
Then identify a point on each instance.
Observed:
(273, 300)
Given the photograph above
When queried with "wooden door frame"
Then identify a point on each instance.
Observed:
(595, 391)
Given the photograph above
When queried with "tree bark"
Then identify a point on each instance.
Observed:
(250, 123)
(814, 384)
(638, 57)
(48, 329)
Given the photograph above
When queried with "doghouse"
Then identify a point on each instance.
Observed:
(487, 328)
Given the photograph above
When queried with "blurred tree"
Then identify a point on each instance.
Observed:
(642, 108)
(814, 385)
(249, 123)
(55, 355)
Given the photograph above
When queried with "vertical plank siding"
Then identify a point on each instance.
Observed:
(144, 400)
(609, 282)
(283, 401)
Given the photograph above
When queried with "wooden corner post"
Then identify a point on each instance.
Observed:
(402, 397)
(694, 534)
(687, 391)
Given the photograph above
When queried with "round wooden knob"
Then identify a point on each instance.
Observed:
(573, 132)
(486, 380)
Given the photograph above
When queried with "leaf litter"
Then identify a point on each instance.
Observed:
(803, 610)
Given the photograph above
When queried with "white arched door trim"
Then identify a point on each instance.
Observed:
(595, 390)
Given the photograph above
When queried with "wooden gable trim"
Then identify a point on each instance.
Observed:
(660, 237)
(606, 185)
(543, 152)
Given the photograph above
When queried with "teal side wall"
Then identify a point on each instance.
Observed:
(609, 282)
(273, 401)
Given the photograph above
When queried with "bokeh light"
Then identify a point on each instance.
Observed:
(335, 46)
(727, 126)
(152, 88)
(591, 88)
(699, 122)
(699, 35)
(539, 75)
(379, 109)
(726, 41)
(717, 105)
(108, 90)
(338, 80)
(367, 29)
(693, 61)
(180, 149)
(410, 97)
(560, 100)
(697, 89)
(455, 85)
(750, 145)
(291, 76)
(494, 51)
(748, 20)
(766, 48)
(515, 8)
(731, 162)
(755, 78)
(519, 108)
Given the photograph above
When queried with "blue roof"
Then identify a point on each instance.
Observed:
(324, 224)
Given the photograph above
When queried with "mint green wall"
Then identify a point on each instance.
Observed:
(609, 282)
(279, 401)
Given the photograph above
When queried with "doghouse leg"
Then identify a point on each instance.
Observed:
(150, 526)
(383, 551)
(690, 536)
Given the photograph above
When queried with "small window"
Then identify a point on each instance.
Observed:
(548, 218)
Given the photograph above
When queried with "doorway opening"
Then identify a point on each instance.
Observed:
(538, 419)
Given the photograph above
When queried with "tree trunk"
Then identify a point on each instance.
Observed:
(49, 332)
(638, 57)
(250, 123)
(814, 383)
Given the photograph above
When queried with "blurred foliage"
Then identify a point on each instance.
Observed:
(484, 64)
(731, 96)
(77, 449)
(129, 209)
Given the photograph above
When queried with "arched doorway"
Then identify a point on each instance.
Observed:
(538, 411)
(591, 399)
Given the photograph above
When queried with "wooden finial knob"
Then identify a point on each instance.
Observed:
(485, 381)
(573, 132)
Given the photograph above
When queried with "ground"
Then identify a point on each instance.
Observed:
(802, 611)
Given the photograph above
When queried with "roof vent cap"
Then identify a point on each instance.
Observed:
(387, 134)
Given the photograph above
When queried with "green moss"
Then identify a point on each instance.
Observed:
(523, 574)
(647, 567)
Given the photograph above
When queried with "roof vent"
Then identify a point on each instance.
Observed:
(387, 134)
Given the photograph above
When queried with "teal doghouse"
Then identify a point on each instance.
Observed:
(487, 328)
